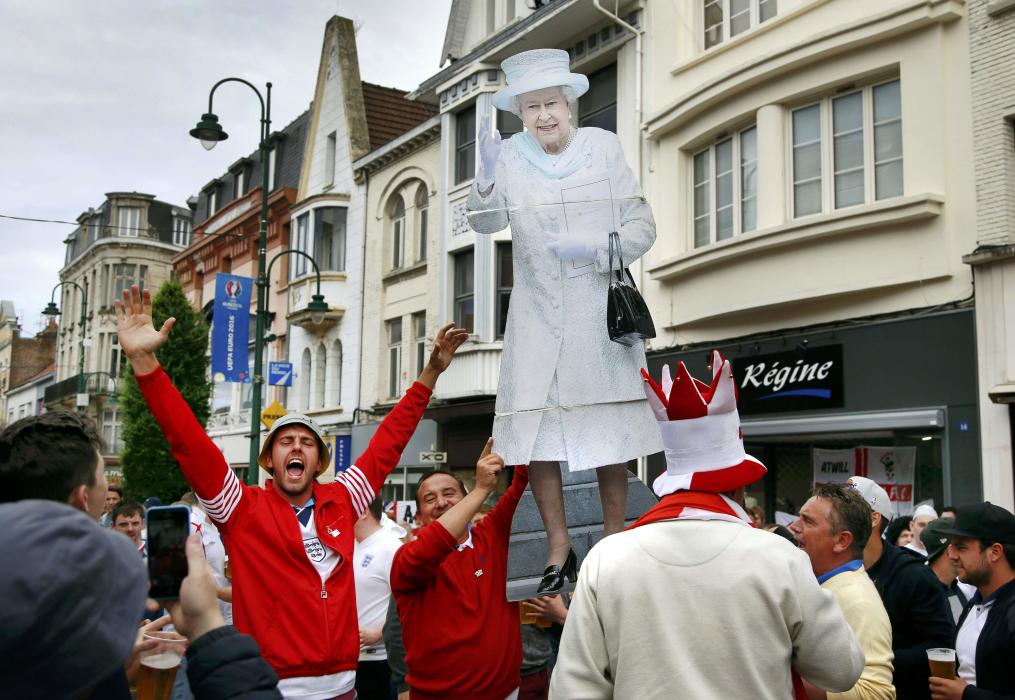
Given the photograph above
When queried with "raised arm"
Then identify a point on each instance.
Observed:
(201, 461)
(488, 191)
(416, 562)
(365, 478)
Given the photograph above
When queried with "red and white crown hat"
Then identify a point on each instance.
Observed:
(701, 433)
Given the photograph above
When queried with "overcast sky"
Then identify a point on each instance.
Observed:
(98, 97)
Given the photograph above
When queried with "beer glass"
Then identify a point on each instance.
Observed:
(530, 615)
(159, 665)
(942, 663)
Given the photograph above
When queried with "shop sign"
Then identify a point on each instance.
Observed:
(891, 467)
(790, 381)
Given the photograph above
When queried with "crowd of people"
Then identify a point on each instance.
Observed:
(306, 590)
(334, 600)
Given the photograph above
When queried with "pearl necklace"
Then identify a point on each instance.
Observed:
(554, 157)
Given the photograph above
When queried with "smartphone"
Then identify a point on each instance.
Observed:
(168, 527)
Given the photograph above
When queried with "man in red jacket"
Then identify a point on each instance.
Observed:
(475, 651)
(290, 542)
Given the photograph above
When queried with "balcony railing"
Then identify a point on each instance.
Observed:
(473, 373)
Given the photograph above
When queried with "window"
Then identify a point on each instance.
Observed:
(300, 241)
(93, 229)
(129, 221)
(844, 135)
(124, 277)
(181, 232)
(465, 145)
(505, 280)
(725, 188)
(419, 338)
(320, 376)
(305, 380)
(398, 234)
(239, 183)
(422, 211)
(598, 106)
(329, 158)
(335, 370)
(464, 288)
(112, 430)
(213, 201)
(727, 18)
(115, 355)
(329, 238)
(394, 356)
(271, 168)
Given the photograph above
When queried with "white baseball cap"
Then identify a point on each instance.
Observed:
(870, 491)
(295, 419)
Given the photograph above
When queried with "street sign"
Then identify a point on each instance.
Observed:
(272, 413)
(433, 457)
(280, 373)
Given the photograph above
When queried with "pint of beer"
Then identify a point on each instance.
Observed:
(530, 615)
(942, 663)
(159, 666)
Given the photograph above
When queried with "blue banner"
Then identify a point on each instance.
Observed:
(343, 446)
(230, 327)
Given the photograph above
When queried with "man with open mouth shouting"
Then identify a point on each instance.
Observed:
(290, 543)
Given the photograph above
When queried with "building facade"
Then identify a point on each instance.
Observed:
(400, 281)
(29, 397)
(992, 59)
(808, 167)
(129, 239)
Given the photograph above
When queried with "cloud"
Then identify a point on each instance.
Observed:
(98, 97)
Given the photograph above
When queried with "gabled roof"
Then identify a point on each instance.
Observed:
(389, 114)
(458, 20)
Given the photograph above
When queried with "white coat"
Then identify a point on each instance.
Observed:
(566, 392)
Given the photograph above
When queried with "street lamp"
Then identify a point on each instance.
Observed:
(53, 311)
(209, 133)
(317, 306)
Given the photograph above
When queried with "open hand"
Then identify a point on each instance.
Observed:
(134, 328)
(448, 340)
(489, 151)
(490, 464)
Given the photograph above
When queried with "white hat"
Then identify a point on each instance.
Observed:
(870, 491)
(536, 70)
(700, 428)
(925, 509)
(295, 419)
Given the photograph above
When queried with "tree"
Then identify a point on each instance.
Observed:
(148, 466)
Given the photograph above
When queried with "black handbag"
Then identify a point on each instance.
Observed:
(627, 318)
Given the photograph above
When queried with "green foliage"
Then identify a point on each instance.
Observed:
(148, 465)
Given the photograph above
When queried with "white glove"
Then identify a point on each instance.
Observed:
(571, 248)
(489, 153)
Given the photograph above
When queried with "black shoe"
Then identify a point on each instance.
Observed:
(553, 577)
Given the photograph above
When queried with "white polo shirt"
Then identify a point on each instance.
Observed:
(371, 561)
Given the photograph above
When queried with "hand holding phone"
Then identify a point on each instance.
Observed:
(168, 528)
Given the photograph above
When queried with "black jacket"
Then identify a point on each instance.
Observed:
(920, 616)
(995, 650)
(225, 664)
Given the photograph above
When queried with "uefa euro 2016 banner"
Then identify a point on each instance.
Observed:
(230, 328)
(892, 467)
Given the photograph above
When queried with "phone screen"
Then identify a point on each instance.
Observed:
(168, 527)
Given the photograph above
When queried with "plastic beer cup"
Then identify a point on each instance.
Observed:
(942, 663)
(159, 665)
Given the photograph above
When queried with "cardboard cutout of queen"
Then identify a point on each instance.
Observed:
(567, 393)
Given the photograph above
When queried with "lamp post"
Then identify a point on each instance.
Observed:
(317, 306)
(209, 133)
(51, 310)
